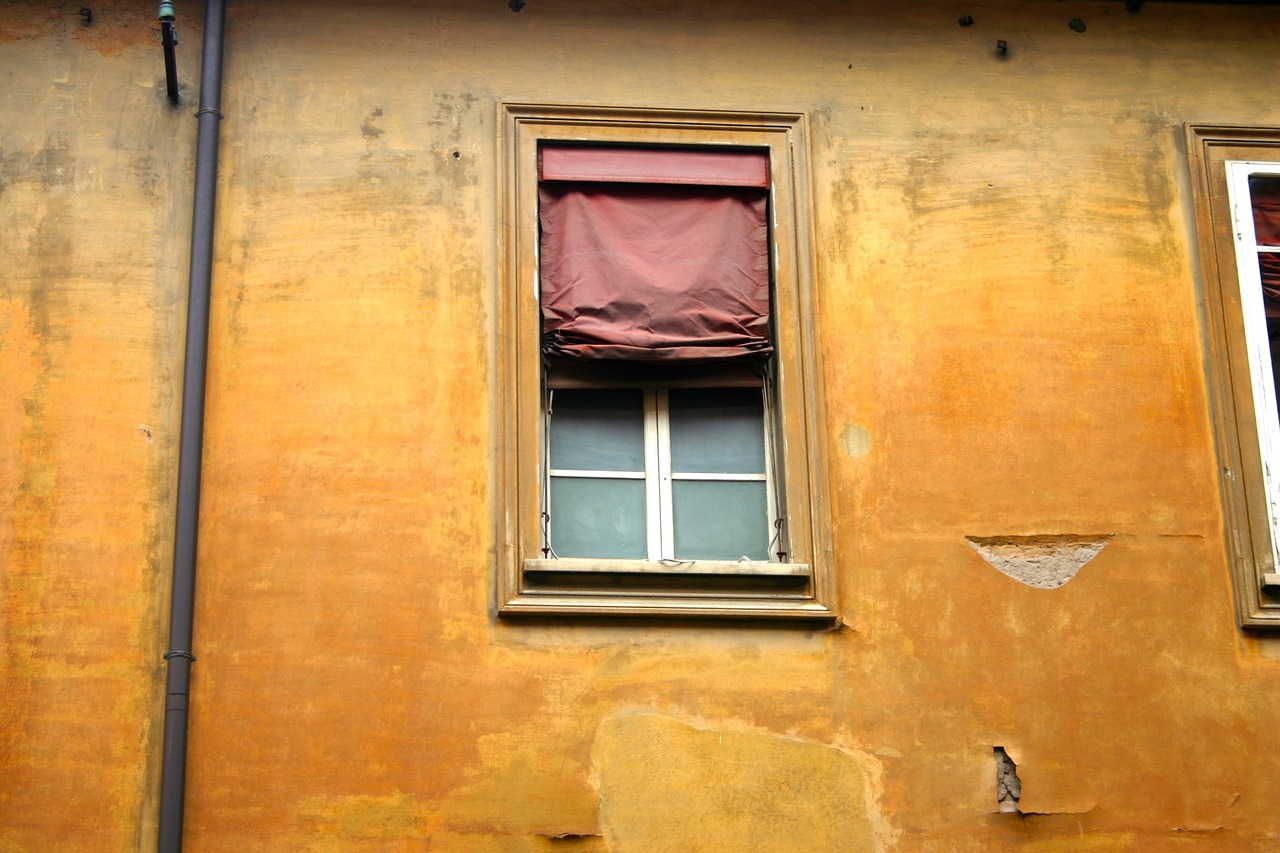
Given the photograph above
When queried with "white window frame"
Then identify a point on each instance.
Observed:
(1257, 340)
(658, 476)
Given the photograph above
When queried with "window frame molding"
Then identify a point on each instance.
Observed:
(1247, 512)
(805, 589)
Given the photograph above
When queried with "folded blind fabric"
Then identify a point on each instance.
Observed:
(654, 255)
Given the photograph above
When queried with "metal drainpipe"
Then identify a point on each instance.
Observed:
(182, 596)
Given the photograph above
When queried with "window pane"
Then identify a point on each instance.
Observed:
(1264, 191)
(1269, 275)
(598, 518)
(597, 430)
(717, 430)
(717, 520)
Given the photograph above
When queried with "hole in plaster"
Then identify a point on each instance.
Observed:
(1043, 562)
(1008, 785)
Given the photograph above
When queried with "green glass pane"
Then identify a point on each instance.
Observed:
(593, 517)
(717, 430)
(717, 520)
(597, 430)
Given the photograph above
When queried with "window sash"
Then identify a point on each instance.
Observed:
(1257, 339)
(658, 475)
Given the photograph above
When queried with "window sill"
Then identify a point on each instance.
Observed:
(702, 588)
(744, 568)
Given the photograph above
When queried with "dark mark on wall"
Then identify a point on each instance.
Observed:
(1076, 25)
(965, 20)
(569, 836)
(368, 128)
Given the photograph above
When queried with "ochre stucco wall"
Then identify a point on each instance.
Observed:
(1011, 343)
(94, 220)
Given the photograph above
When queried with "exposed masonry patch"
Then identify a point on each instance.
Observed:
(1043, 562)
(1008, 786)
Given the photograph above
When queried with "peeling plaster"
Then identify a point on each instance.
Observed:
(1043, 562)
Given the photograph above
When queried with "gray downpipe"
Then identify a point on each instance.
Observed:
(182, 597)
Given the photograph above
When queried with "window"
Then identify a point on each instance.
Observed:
(660, 474)
(1236, 174)
(660, 448)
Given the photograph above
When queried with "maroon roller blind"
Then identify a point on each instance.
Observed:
(655, 166)
(654, 255)
(1265, 194)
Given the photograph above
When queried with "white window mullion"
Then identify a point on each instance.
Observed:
(773, 480)
(667, 514)
(1256, 338)
(652, 480)
(771, 497)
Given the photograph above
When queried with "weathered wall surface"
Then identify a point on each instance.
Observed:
(94, 201)
(1010, 332)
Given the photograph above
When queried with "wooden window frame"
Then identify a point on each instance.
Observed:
(1241, 435)
(800, 589)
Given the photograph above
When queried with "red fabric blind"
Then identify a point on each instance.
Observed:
(1265, 194)
(715, 168)
(653, 272)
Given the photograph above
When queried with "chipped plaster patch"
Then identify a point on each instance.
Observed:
(670, 785)
(855, 441)
(1043, 562)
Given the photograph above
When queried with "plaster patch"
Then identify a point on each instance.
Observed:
(855, 441)
(1043, 562)
(397, 815)
(667, 785)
